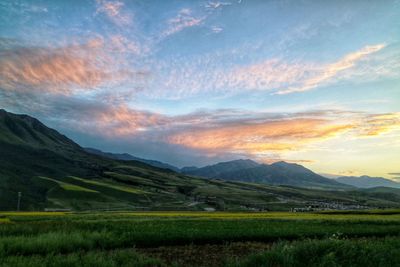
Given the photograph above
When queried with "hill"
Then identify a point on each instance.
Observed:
(52, 171)
(367, 181)
(126, 156)
(279, 173)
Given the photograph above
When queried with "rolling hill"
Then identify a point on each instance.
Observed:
(52, 171)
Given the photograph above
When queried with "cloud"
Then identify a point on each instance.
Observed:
(114, 11)
(216, 29)
(184, 19)
(53, 69)
(210, 74)
(65, 69)
(325, 73)
(264, 136)
(211, 133)
(376, 124)
(349, 173)
(396, 175)
(223, 131)
(122, 44)
(90, 116)
(124, 121)
(267, 75)
(216, 4)
(259, 137)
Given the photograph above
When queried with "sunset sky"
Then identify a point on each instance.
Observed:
(197, 82)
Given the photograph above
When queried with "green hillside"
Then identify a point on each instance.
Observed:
(52, 171)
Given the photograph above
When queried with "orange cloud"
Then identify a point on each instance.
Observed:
(260, 137)
(239, 133)
(377, 124)
(222, 132)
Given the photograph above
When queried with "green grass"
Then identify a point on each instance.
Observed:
(115, 239)
(329, 252)
(115, 258)
(68, 186)
(110, 185)
(4, 220)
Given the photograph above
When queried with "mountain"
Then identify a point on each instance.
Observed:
(52, 171)
(367, 181)
(214, 171)
(279, 173)
(188, 169)
(329, 175)
(125, 156)
(25, 130)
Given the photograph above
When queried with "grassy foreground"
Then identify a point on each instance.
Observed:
(200, 239)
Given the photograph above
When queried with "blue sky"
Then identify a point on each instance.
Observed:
(195, 82)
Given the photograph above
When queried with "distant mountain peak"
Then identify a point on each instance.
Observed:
(285, 163)
(213, 171)
(239, 161)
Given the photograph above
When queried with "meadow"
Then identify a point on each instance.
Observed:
(369, 238)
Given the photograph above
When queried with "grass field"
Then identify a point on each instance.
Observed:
(369, 238)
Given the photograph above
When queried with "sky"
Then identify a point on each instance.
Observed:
(192, 83)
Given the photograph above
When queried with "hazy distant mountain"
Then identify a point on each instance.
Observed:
(214, 171)
(126, 156)
(279, 173)
(367, 181)
(188, 169)
(330, 176)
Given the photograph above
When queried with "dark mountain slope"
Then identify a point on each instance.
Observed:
(126, 156)
(25, 130)
(214, 171)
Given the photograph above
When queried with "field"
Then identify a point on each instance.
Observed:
(368, 238)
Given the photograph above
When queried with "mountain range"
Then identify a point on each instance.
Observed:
(246, 170)
(367, 181)
(52, 171)
(278, 173)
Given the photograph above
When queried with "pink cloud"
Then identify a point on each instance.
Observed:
(55, 69)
